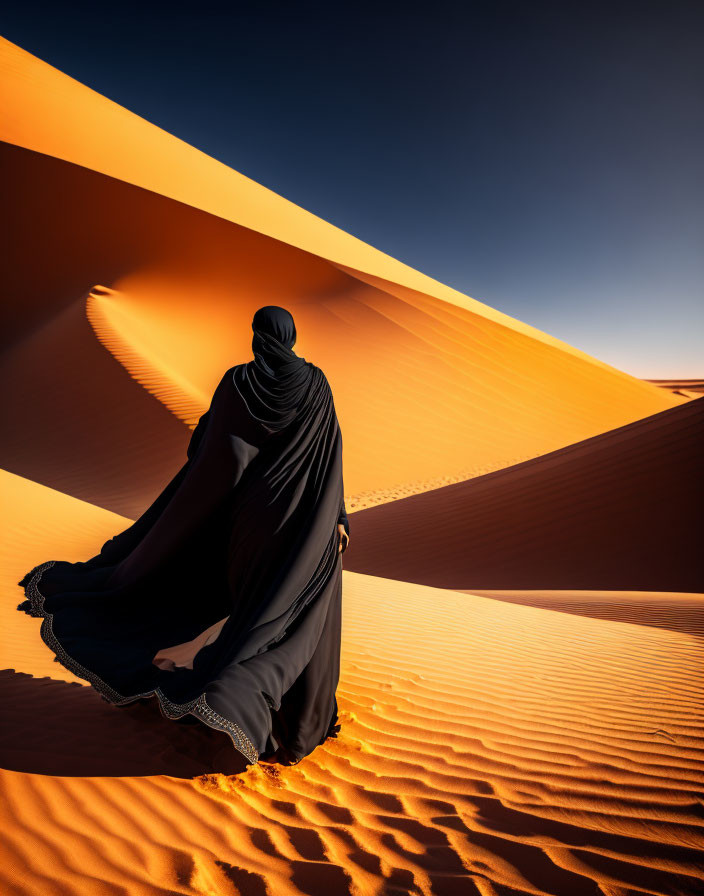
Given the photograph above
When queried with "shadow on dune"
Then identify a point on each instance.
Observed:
(112, 443)
(621, 511)
(61, 728)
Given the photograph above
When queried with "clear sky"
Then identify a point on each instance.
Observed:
(543, 157)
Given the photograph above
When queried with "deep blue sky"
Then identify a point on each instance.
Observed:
(545, 158)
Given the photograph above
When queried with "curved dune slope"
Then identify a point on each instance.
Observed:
(482, 750)
(427, 392)
(622, 510)
(47, 111)
(81, 423)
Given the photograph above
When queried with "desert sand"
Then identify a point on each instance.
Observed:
(542, 737)
(689, 388)
(622, 510)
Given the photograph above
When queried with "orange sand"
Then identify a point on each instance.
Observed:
(486, 746)
(687, 388)
(622, 510)
(163, 254)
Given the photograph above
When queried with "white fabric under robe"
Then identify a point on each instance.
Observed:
(183, 654)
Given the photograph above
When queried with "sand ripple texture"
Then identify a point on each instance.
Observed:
(486, 747)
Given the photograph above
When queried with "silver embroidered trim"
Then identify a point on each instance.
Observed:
(198, 707)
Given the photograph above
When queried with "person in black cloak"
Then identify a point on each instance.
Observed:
(223, 600)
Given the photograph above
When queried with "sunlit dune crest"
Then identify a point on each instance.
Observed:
(118, 332)
(52, 113)
(427, 392)
(167, 253)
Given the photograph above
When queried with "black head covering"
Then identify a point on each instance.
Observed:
(274, 336)
(275, 383)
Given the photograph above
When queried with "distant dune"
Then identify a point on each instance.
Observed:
(623, 510)
(486, 746)
(686, 388)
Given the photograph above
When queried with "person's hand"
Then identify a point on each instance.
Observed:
(344, 538)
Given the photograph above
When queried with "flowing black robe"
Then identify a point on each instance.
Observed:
(247, 529)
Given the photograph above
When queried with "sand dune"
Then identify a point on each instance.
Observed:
(687, 388)
(176, 251)
(483, 753)
(51, 113)
(620, 511)
(487, 746)
(427, 392)
(80, 423)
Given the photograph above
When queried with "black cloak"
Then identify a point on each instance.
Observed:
(245, 535)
